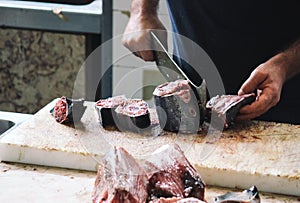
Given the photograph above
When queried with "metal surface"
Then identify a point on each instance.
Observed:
(51, 16)
(5, 125)
(250, 195)
(10, 120)
(106, 53)
(165, 63)
(99, 81)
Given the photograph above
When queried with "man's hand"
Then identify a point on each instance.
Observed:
(267, 79)
(143, 19)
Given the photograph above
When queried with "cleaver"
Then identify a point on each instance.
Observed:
(170, 69)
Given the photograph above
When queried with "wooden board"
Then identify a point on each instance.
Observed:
(255, 153)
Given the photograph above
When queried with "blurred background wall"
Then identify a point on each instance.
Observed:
(38, 66)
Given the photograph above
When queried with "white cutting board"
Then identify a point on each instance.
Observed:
(255, 153)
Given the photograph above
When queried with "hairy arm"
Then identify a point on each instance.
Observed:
(144, 7)
(292, 58)
(268, 79)
(143, 19)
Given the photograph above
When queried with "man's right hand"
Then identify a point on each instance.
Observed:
(143, 19)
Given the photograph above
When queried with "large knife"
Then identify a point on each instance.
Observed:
(169, 68)
(165, 63)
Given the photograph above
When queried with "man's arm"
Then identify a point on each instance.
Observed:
(144, 7)
(292, 58)
(143, 19)
(269, 78)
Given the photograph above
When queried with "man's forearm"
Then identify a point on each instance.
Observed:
(144, 7)
(292, 59)
(142, 20)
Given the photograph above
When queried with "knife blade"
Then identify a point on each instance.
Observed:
(170, 69)
(165, 63)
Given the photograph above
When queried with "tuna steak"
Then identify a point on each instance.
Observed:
(226, 108)
(106, 110)
(68, 111)
(133, 116)
(123, 114)
(178, 107)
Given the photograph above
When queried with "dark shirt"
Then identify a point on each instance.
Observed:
(238, 36)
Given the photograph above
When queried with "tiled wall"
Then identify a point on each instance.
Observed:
(36, 67)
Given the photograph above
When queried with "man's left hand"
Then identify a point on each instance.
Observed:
(267, 80)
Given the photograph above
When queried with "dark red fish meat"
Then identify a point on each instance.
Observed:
(124, 114)
(172, 175)
(178, 107)
(226, 108)
(133, 115)
(68, 110)
(167, 176)
(120, 179)
(106, 110)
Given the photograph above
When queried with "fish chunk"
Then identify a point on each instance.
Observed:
(226, 108)
(171, 175)
(120, 179)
